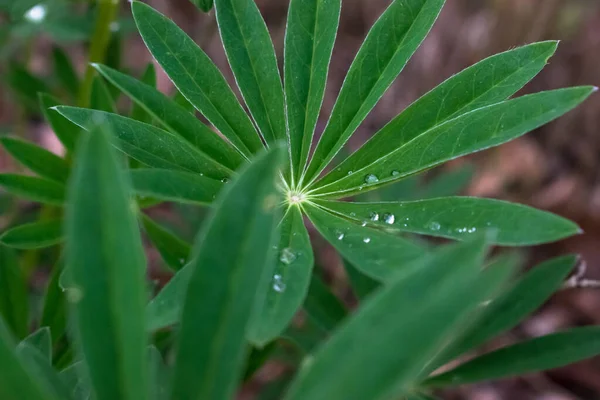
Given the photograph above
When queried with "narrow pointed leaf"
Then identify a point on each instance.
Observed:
(165, 309)
(40, 367)
(389, 45)
(174, 118)
(37, 159)
(148, 144)
(107, 266)
(517, 303)
(204, 5)
(54, 311)
(538, 354)
(376, 253)
(32, 188)
(14, 306)
(15, 381)
(35, 235)
(461, 217)
(252, 59)
(309, 38)
(287, 287)
(196, 77)
(230, 260)
(173, 250)
(73, 379)
(101, 99)
(41, 340)
(420, 309)
(323, 306)
(474, 131)
(361, 284)
(167, 185)
(67, 132)
(487, 82)
(160, 375)
(65, 71)
(148, 78)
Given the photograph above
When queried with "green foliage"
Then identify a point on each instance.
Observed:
(230, 306)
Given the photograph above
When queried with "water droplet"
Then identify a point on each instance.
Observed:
(435, 226)
(353, 214)
(287, 256)
(224, 180)
(374, 216)
(395, 173)
(364, 223)
(367, 239)
(389, 219)
(37, 13)
(278, 284)
(472, 230)
(349, 172)
(339, 235)
(371, 179)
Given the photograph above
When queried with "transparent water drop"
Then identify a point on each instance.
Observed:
(339, 235)
(371, 179)
(278, 284)
(367, 239)
(395, 173)
(37, 13)
(224, 180)
(364, 223)
(389, 219)
(435, 226)
(349, 172)
(287, 256)
(374, 216)
(472, 230)
(353, 214)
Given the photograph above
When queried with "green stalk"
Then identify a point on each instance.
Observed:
(107, 12)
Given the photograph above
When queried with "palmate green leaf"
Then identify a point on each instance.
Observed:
(173, 250)
(14, 306)
(286, 288)
(309, 38)
(32, 188)
(538, 354)
(107, 265)
(421, 308)
(513, 306)
(474, 131)
(37, 159)
(389, 45)
(65, 71)
(100, 98)
(322, 306)
(149, 145)
(375, 253)
(487, 82)
(460, 217)
(40, 367)
(252, 59)
(41, 340)
(232, 256)
(35, 235)
(196, 77)
(174, 118)
(182, 187)
(15, 381)
(66, 131)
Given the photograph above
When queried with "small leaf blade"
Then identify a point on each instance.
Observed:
(173, 250)
(32, 188)
(35, 235)
(67, 132)
(39, 160)
(14, 308)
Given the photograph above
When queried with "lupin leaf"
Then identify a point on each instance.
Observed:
(35, 235)
(32, 188)
(37, 159)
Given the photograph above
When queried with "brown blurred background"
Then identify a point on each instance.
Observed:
(555, 168)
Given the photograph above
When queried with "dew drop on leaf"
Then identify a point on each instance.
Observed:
(395, 173)
(374, 216)
(364, 223)
(435, 226)
(287, 256)
(278, 284)
(389, 219)
(367, 239)
(371, 179)
(339, 235)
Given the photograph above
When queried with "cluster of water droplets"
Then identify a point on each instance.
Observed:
(466, 230)
(287, 256)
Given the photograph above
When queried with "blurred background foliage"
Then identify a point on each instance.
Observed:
(44, 47)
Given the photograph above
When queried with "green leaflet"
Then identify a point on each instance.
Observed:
(309, 38)
(286, 288)
(100, 98)
(107, 266)
(487, 82)
(232, 256)
(196, 77)
(165, 309)
(35, 235)
(252, 59)
(148, 78)
(362, 285)
(15, 381)
(32, 188)
(204, 5)
(40, 367)
(37, 159)
(389, 45)
(160, 375)
(73, 378)
(174, 118)
(14, 307)
(173, 250)
(66, 131)
(54, 306)
(476, 130)
(167, 185)
(41, 340)
(65, 71)
(148, 144)
(322, 305)
(538, 354)
(376, 253)
(459, 218)
(421, 307)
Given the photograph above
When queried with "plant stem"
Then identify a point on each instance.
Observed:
(107, 12)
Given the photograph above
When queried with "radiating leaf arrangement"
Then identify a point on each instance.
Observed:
(250, 270)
